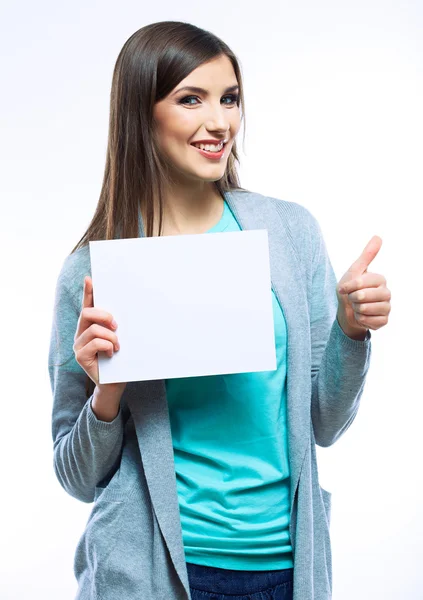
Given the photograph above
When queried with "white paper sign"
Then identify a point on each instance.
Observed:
(186, 305)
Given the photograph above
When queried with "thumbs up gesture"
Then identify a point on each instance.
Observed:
(363, 298)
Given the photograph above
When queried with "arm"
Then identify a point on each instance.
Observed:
(339, 363)
(86, 449)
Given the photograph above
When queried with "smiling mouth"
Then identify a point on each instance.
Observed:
(213, 154)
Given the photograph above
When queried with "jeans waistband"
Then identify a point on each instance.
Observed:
(232, 581)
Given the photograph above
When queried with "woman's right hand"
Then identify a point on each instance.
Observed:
(95, 333)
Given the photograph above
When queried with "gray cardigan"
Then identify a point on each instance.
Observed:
(132, 544)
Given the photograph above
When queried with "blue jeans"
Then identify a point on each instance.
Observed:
(211, 583)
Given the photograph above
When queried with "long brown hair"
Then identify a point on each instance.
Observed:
(151, 63)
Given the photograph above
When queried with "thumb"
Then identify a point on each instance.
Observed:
(88, 294)
(369, 253)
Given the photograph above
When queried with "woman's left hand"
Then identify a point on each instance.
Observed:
(363, 298)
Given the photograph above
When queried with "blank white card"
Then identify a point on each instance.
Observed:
(186, 305)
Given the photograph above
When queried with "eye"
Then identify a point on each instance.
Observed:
(234, 98)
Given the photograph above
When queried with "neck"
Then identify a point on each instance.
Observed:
(188, 210)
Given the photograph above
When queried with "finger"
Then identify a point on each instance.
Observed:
(379, 294)
(97, 345)
(371, 322)
(87, 355)
(372, 308)
(90, 315)
(366, 280)
(96, 331)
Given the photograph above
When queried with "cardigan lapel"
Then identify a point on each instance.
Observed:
(288, 285)
(149, 405)
(149, 409)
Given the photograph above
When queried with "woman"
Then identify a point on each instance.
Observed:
(205, 487)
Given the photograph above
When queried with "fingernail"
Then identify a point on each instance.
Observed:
(114, 324)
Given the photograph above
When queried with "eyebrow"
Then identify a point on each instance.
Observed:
(198, 90)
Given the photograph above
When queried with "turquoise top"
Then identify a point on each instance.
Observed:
(230, 447)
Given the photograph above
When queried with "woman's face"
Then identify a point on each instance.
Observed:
(186, 116)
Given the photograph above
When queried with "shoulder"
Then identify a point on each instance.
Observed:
(70, 280)
(295, 216)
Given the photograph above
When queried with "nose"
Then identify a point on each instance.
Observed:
(218, 119)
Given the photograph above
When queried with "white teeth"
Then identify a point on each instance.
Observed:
(210, 147)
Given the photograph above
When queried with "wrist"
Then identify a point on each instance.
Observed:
(354, 334)
(105, 404)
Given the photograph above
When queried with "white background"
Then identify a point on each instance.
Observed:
(334, 96)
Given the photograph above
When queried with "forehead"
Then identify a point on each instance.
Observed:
(217, 73)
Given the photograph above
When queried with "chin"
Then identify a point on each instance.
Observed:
(214, 173)
(210, 178)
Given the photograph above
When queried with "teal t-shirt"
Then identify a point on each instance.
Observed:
(231, 460)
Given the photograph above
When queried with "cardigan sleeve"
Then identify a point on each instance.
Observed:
(339, 364)
(85, 448)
